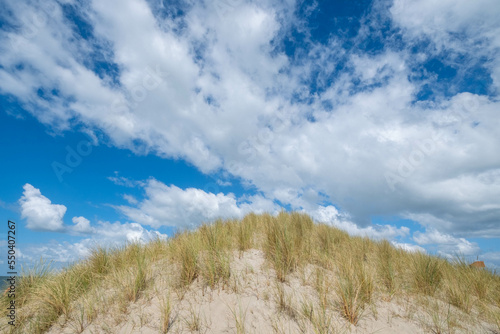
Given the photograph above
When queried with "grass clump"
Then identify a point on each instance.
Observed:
(185, 251)
(283, 301)
(137, 279)
(216, 239)
(458, 285)
(216, 268)
(54, 297)
(99, 261)
(354, 289)
(286, 242)
(29, 282)
(245, 231)
(439, 318)
(166, 320)
(427, 273)
(279, 247)
(239, 317)
(194, 321)
(386, 266)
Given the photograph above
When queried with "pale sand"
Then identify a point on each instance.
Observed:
(252, 294)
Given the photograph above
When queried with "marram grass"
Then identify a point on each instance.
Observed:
(349, 276)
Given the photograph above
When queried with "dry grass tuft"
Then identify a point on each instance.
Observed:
(287, 242)
(354, 289)
(427, 273)
(166, 319)
(185, 250)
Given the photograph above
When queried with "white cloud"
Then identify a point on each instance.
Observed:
(216, 93)
(39, 212)
(131, 199)
(224, 183)
(123, 181)
(104, 234)
(42, 215)
(187, 208)
(118, 233)
(429, 221)
(438, 20)
(491, 259)
(82, 225)
(446, 244)
(171, 206)
(9, 206)
(408, 247)
(467, 28)
(330, 214)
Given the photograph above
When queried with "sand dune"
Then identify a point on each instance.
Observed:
(252, 299)
(262, 274)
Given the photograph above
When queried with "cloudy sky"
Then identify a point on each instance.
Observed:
(129, 119)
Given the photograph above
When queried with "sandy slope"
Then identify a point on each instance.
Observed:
(252, 296)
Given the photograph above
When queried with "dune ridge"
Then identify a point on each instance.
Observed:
(261, 274)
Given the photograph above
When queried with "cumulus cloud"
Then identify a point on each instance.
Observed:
(187, 208)
(217, 91)
(82, 225)
(172, 206)
(330, 215)
(446, 244)
(39, 212)
(466, 31)
(118, 233)
(439, 21)
(42, 215)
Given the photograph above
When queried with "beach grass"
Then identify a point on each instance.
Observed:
(350, 275)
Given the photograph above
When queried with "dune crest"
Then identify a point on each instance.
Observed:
(261, 274)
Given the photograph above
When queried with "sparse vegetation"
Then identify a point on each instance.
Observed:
(193, 320)
(347, 277)
(283, 301)
(239, 316)
(166, 314)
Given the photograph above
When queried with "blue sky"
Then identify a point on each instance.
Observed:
(126, 120)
